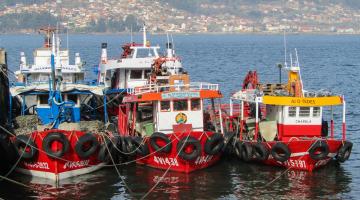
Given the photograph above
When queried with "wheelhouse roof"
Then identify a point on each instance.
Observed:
(174, 95)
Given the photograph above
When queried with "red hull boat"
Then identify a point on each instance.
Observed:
(166, 127)
(58, 154)
(284, 125)
(175, 160)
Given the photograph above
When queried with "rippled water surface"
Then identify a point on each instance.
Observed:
(329, 62)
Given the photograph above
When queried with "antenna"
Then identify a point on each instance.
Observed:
(173, 44)
(285, 49)
(297, 58)
(144, 36)
(131, 34)
(167, 36)
(67, 39)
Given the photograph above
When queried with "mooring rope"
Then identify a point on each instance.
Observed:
(290, 167)
(167, 170)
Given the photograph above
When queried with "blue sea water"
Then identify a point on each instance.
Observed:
(327, 62)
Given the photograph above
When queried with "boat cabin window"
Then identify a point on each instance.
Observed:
(165, 106)
(144, 53)
(304, 112)
(144, 114)
(72, 97)
(195, 104)
(180, 105)
(147, 73)
(316, 111)
(136, 74)
(292, 112)
(43, 99)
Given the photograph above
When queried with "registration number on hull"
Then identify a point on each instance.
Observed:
(295, 163)
(166, 161)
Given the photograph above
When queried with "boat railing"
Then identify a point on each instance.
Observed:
(196, 86)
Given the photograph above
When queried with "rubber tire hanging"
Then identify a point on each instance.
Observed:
(86, 138)
(280, 152)
(261, 152)
(246, 151)
(186, 141)
(141, 147)
(160, 136)
(52, 137)
(20, 142)
(319, 150)
(214, 144)
(344, 152)
(105, 150)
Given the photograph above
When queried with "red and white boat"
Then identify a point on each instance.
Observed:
(284, 125)
(55, 133)
(165, 124)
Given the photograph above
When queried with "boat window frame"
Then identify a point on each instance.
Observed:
(141, 76)
(177, 100)
(191, 104)
(290, 109)
(163, 110)
(301, 113)
(318, 113)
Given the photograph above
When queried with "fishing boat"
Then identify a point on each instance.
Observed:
(133, 67)
(54, 135)
(281, 124)
(165, 124)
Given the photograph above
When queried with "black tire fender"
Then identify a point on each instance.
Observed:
(87, 138)
(261, 152)
(319, 150)
(246, 151)
(141, 147)
(19, 144)
(237, 148)
(280, 152)
(160, 136)
(186, 141)
(344, 151)
(105, 150)
(52, 137)
(214, 144)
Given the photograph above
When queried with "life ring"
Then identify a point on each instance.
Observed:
(52, 137)
(214, 144)
(105, 150)
(280, 152)
(261, 153)
(344, 151)
(160, 136)
(20, 143)
(182, 147)
(86, 145)
(246, 151)
(141, 147)
(319, 150)
(237, 148)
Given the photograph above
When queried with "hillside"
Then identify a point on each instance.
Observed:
(340, 16)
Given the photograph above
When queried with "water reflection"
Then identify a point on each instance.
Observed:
(261, 182)
(229, 179)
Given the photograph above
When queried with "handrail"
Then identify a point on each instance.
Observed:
(195, 86)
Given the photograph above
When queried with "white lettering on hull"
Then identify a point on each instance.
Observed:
(203, 159)
(37, 165)
(166, 161)
(76, 164)
(295, 163)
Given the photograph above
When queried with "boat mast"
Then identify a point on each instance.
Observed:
(144, 36)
